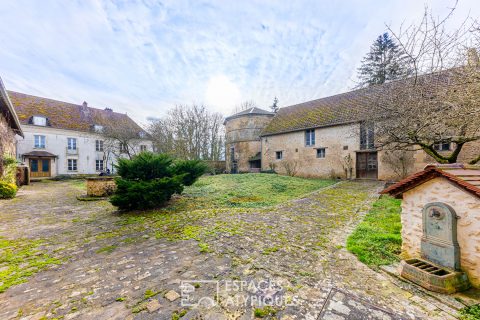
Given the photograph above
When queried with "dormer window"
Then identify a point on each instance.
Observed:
(142, 134)
(39, 121)
(98, 128)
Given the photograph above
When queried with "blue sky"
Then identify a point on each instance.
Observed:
(144, 57)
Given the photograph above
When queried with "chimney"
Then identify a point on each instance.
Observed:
(472, 57)
(108, 109)
(85, 104)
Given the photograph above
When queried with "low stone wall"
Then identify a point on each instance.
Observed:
(100, 186)
(467, 208)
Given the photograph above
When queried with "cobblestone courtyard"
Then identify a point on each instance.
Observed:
(131, 266)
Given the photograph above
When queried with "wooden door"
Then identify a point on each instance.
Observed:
(367, 165)
(39, 168)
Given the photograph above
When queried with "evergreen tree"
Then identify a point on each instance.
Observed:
(274, 106)
(385, 61)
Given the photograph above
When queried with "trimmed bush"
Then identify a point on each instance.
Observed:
(7, 190)
(149, 180)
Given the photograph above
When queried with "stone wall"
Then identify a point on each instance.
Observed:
(7, 141)
(467, 207)
(339, 142)
(7, 138)
(243, 134)
(100, 186)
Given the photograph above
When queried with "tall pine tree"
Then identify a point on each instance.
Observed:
(385, 61)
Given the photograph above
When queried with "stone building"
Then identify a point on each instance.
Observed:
(9, 126)
(455, 186)
(67, 138)
(243, 143)
(324, 138)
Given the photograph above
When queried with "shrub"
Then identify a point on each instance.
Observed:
(7, 190)
(149, 180)
(190, 169)
(470, 312)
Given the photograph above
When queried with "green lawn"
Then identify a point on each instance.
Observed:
(248, 190)
(377, 240)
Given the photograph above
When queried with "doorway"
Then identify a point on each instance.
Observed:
(367, 165)
(40, 168)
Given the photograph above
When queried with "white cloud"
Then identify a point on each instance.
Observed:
(222, 94)
(143, 57)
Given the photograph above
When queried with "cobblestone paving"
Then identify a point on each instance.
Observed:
(135, 266)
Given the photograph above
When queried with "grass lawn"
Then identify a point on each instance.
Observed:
(246, 190)
(377, 240)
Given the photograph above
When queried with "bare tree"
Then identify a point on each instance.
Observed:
(245, 105)
(121, 139)
(189, 132)
(290, 167)
(438, 105)
(399, 161)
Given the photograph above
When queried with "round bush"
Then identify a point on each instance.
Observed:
(7, 190)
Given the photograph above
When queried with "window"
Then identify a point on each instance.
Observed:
(279, 155)
(367, 136)
(123, 147)
(143, 148)
(39, 141)
(39, 121)
(232, 154)
(72, 164)
(72, 144)
(142, 134)
(310, 137)
(443, 146)
(345, 147)
(98, 128)
(34, 165)
(99, 165)
(99, 145)
(321, 153)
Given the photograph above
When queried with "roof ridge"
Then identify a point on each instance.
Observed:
(64, 102)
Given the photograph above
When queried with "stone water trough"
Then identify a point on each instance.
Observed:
(441, 227)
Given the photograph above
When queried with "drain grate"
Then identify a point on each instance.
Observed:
(427, 267)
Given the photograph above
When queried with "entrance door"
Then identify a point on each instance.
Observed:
(39, 168)
(367, 165)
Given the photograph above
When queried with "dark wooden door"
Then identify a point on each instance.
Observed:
(367, 165)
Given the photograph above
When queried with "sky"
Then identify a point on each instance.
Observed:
(144, 57)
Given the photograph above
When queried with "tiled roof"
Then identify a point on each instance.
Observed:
(250, 111)
(464, 176)
(64, 115)
(334, 110)
(39, 154)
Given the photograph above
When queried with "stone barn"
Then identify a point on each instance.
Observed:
(243, 143)
(455, 188)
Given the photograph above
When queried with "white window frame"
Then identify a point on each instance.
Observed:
(39, 141)
(99, 145)
(439, 146)
(321, 153)
(72, 143)
(99, 165)
(279, 155)
(72, 165)
(310, 137)
(143, 147)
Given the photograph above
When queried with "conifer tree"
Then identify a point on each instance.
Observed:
(385, 61)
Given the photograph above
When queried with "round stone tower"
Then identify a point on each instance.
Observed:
(243, 145)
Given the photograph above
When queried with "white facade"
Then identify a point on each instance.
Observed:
(75, 151)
